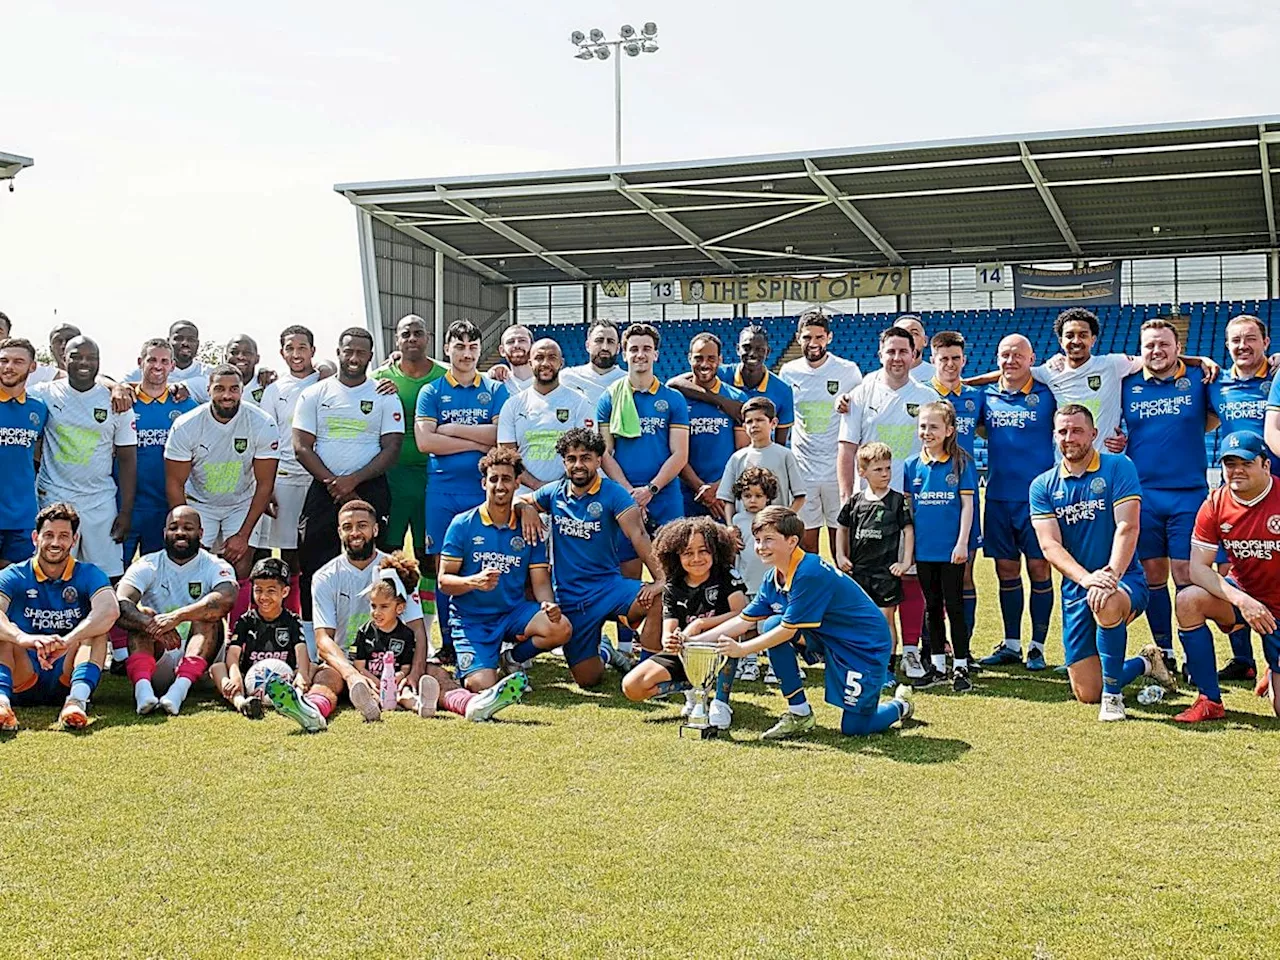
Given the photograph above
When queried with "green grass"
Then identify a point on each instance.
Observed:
(1007, 822)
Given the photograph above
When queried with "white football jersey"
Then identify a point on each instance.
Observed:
(534, 422)
(165, 586)
(817, 426)
(222, 454)
(347, 422)
(1095, 385)
(592, 384)
(279, 401)
(80, 440)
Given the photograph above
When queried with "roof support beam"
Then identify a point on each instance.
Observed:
(1042, 188)
(512, 234)
(852, 213)
(1267, 196)
(433, 242)
(671, 223)
(751, 227)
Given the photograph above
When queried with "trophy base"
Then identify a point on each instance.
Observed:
(703, 733)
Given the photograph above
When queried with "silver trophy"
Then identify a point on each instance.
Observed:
(702, 662)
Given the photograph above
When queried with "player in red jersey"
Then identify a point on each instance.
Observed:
(1243, 515)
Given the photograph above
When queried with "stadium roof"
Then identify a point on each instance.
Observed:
(11, 163)
(1154, 190)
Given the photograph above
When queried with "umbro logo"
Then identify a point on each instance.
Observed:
(477, 540)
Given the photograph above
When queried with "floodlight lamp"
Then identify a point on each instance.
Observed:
(627, 31)
(584, 54)
(596, 34)
(632, 48)
(650, 46)
(650, 29)
(577, 37)
(602, 53)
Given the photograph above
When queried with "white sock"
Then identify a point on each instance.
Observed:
(800, 710)
(940, 662)
(119, 655)
(962, 663)
(309, 635)
(1014, 644)
(178, 692)
(1036, 646)
(910, 650)
(80, 691)
(691, 697)
(143, 692)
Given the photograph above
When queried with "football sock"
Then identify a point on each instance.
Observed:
(1160, 616)
(970, 597)
(455, 701)
(84, 680)
(724, 680)
(239, 700)
(667, 687)
(911, 612)
(626, 638)
(1198, 646)
(427, 595)
(119, 644)
(189, 671)
(1242, 643)
(860, 724)
(939, 661)
(244, 597)
(962, 663)
(1012, 601)
(140, 668)
(321, 703)
(1117, 672)
(6, 683)
(293, 602)
(1041, 611)
(524, 650)
(787, 669)
(309, 635)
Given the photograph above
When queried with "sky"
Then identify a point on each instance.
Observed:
(185, 155)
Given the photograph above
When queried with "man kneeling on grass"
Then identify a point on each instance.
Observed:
(833, 616)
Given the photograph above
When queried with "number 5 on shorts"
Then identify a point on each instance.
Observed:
(852, 687)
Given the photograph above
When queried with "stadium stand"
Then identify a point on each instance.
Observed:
(855, 335)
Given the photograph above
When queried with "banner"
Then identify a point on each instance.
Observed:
(846, 286)
(1098, 285)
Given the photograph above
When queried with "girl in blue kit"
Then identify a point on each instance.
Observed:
(941, 483)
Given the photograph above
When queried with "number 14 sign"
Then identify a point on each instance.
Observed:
(991, 277)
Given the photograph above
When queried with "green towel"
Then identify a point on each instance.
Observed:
(624, 421)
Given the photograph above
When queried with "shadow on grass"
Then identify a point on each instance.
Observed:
(891, 744)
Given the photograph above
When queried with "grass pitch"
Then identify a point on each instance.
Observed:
(1003, 823)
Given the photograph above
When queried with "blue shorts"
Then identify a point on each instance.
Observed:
(975, 529)
(851, 682)
(1270, 641)
(16, 545)
(1080, 630)
(146, 535)
(1167, 519)
(442, 507)
(611, 599)
(663, 508)
(479, 641)
(48, 689)
(1007, 532)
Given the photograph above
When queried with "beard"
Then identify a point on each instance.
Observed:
(605, 361)
(184, 551)
(360, 553)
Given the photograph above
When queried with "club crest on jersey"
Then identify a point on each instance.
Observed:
(913, 410)
(595, 510)
(952, 479)
(34, 418)
(713, 594)
(366, 407)
(484, 397)
(397, 647)
(661, 406)
(1033, 400)
(1273, 524)
(241, 444)
(194, 589)
(257, 394)
(1095, 383)
(465, 660)
(833, 387)
(1097, 485)
(282, 636)
(968, 405)
(517, 543)
(100, 414)
(69, 595)
(1183, 383)
(562, 414)
(174, 415)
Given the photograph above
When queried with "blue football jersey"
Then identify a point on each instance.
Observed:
(154, 417)
(482, 545)
(936, 488)
(775, 388)
(1019, 428)
(968, 403)
(711, 440)
(42, 605)
(661, 410)
(586, 532)
(22, 420)
(1165, 419)
(474, 404)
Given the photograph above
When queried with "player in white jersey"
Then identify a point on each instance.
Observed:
(242, 353)
(533, 420)
(921, 369)
(602, 371)
(515, 347)
(278, 528)
(184, 338)
(81, 438)
(171, 604)
(817, 378)
(221, 458)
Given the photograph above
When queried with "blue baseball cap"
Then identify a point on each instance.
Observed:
(1242, 444)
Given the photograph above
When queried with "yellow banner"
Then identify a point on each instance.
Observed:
(846, 286)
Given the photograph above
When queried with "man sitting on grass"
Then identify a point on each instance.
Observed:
(835, 618)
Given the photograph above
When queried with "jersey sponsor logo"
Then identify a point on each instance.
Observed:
(595, 510)
(195, 589)
(504, 563)
(152, 438)
(833, 387)
(18, 437)
(573, 527)
(241, 444)
(1095, 382)
(477, 540)
(1159, 407)
(1097, 485)
(562, 414)
(699, 426)
(69, 595)
(366, 407)
(1251, 549)
(100, 414)
(51, 621)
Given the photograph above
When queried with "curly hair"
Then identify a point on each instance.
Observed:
(405, 567)
(672, 539)
(761, 477)
(502, 457)
(583, 437)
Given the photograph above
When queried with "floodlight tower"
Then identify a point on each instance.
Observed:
(593, 46)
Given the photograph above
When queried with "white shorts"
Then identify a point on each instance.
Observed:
(281, 531)
(822, 503)
(96, 517)
(219, 523)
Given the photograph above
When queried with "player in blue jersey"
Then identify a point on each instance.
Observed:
(154, 410)
(1017, 420)
(750, 376)
(1165, 411)
(456, 423)
(645, 426)
(54, 617)
(589, 513)
(713, 434)
(22, 420)
(834, 618)
(1086, 513)
(968, 402)
(484, 565)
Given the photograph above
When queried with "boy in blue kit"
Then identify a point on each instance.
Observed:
(456, 423)
(588, 515)
(1017, 419)
(645, 426)
(713, 434)
(154, 410)
(1166, 414)
(1086, 512)
(483, 566)
(22, 420)
(54, 618)
(834, 617)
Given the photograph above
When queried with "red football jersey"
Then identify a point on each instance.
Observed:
(1250, 533)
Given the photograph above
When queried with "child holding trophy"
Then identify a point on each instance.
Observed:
(835, 616)
(703, 590)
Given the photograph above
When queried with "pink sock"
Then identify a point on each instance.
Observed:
(191, 668)
(119, 639)
(455, 701)
(321, 703)
(140, 666)
(238, 609)
(911, 611)
(293, 602)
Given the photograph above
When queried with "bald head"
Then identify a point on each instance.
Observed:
(546, 359)
(82, 362)
(182, 531)
(242, 353)
(1015, 357)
